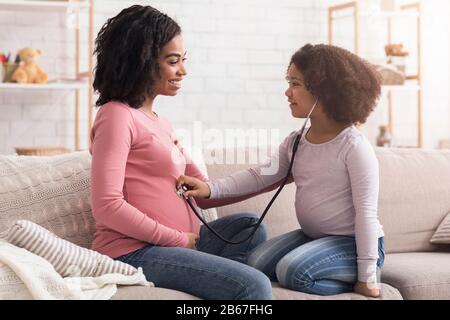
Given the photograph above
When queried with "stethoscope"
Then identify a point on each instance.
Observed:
(186, 187)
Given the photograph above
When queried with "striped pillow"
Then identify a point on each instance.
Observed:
(442, 234)
(67, 258)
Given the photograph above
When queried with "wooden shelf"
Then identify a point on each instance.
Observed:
(37, 5)
(389, 14)
(412, 10)
(55, 85)
(379, 15)
(406, 87)
(62, 7)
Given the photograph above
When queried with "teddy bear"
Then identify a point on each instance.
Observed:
(395, 50)
(29, 70)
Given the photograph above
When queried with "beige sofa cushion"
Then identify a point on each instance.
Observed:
(150, 293)
(414, 189)
(279, 293)
(418, 275)
(53, 192)
(68, 259)
(387, 293)
(442, 234)
(414, 196)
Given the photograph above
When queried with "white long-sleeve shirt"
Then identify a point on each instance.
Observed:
(337, 190)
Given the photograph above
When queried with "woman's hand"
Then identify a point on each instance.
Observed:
(199, 188)
(367, 289)
(192, 240)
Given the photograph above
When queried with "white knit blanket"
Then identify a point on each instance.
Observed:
(24, 275)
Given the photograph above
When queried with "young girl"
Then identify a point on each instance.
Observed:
(339, 247)
(135, 163)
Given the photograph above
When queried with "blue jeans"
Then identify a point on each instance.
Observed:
(324, 266)
(216, 270)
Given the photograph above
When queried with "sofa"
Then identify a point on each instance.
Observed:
(54, 192)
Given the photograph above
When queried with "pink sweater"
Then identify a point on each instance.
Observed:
(136, 160)
(133, 182)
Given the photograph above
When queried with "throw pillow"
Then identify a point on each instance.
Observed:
(442, 234)
(52, 191)
(67, 258)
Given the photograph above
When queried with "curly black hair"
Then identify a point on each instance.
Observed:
(347, 86)
(127, 48)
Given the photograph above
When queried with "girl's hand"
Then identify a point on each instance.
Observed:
(367, 289)
(199, 188)
(192, 240)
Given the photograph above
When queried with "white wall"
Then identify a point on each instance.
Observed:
(237, 50)
(40, 117)
(435, 59)
(448, 73)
